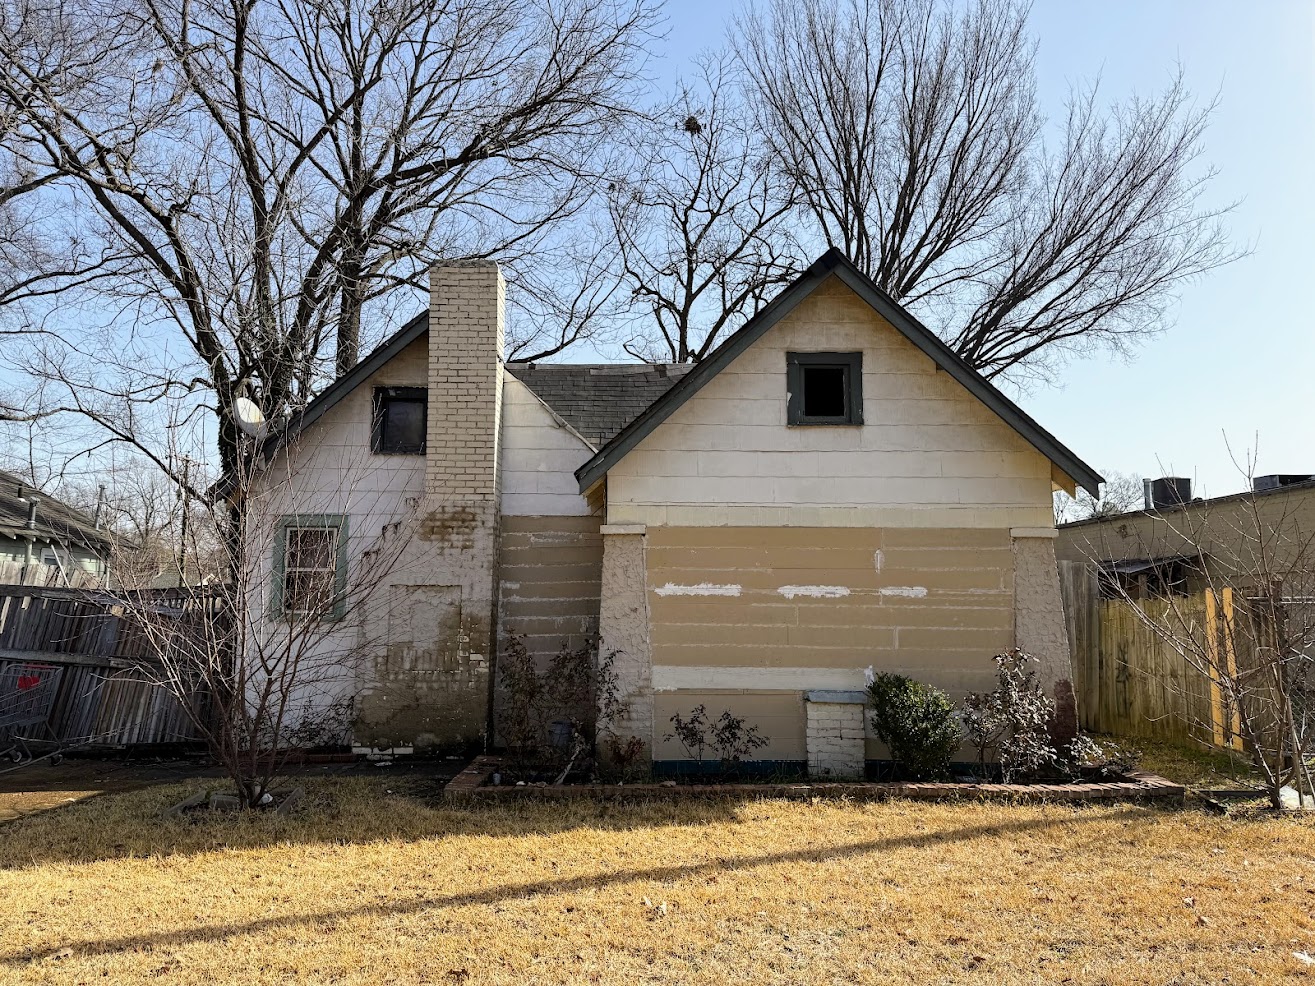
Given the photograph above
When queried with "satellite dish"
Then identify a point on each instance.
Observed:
(249, 417)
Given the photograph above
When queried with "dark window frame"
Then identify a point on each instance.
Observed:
(851, 363)
(378, 415)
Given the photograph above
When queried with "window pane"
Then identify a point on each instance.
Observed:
(307, 592)
(311, 547)
(824, 392)
(404, 425)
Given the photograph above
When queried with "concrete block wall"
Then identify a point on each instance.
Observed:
(835, 735)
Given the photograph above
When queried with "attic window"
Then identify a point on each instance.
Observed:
(399, 421)
(825, 388)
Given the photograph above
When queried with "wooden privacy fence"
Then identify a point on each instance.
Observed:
(1131, 679)
(106, 695)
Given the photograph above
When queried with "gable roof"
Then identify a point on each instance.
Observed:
(56, 522)
(345, 384)
(835, 262)
(598, 400)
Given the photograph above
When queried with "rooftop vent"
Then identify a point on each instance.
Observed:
(1168, 491)
(1263, 484)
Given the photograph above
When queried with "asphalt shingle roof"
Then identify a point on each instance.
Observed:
(55, 521)
(598, 400)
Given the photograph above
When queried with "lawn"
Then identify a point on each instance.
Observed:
(367, 884)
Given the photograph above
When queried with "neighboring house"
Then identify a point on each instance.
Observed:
(1180, 545)
(40, 536)
(830, 490)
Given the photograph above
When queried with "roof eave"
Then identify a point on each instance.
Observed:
(334, 393)
(835, 262)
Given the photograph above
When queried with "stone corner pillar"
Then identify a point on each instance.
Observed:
(1039, 626)
(623, 630)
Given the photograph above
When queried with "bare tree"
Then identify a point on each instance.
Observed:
(270, 661)
(699, 225)
(1239, 606)
(1120, 493)
(263, 171)
(165, 537)
(913, 133)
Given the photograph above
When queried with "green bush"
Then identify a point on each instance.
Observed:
(917, 722)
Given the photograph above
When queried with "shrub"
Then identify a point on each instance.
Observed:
(566, 690)
(729, 736)
(917, 722)
(1011, 723)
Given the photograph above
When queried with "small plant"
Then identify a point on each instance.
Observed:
(733, 740)
(729, 736)
(622, 756)
(1011, 722)
(917, 722)
(566, 690)
(691, 731)
(520, 717)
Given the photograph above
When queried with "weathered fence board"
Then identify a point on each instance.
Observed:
(1131, 680)
(106, 696)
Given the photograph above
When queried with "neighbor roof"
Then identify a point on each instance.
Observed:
(56, 522)
(598, 400)
(833, 262)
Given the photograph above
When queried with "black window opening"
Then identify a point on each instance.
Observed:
(399, 421)
(825, 388)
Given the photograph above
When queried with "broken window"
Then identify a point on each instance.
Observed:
(399, 421)
(825, 388)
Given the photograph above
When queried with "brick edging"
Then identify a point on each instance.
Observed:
(1136, 785)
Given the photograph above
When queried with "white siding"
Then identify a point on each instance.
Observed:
(539, 458)
(927, 454)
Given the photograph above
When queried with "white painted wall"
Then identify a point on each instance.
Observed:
(329, 469)
(540, 454)
(927, 454)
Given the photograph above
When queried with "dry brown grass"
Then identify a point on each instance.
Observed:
(362, 886)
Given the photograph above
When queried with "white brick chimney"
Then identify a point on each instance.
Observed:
(466, 312)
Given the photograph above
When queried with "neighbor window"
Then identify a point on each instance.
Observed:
(310, 566)
(399, 421)
(825, 388)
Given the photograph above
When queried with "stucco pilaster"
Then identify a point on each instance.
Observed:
(623, 629)
(1039, 621)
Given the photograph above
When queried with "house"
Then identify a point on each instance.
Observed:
(830, 490)
(1181, 545)
(45, 540)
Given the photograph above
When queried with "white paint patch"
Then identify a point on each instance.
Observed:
(702, 589)
(908, 591)
(877, 559)
(814, 591)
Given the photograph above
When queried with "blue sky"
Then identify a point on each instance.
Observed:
(1237, 362)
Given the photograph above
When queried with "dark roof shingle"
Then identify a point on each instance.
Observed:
(55, 521)
(598, 400)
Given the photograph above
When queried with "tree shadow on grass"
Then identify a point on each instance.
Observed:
(520, 891)
(334, 811)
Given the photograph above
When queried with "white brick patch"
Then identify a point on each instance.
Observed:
(835, 740)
